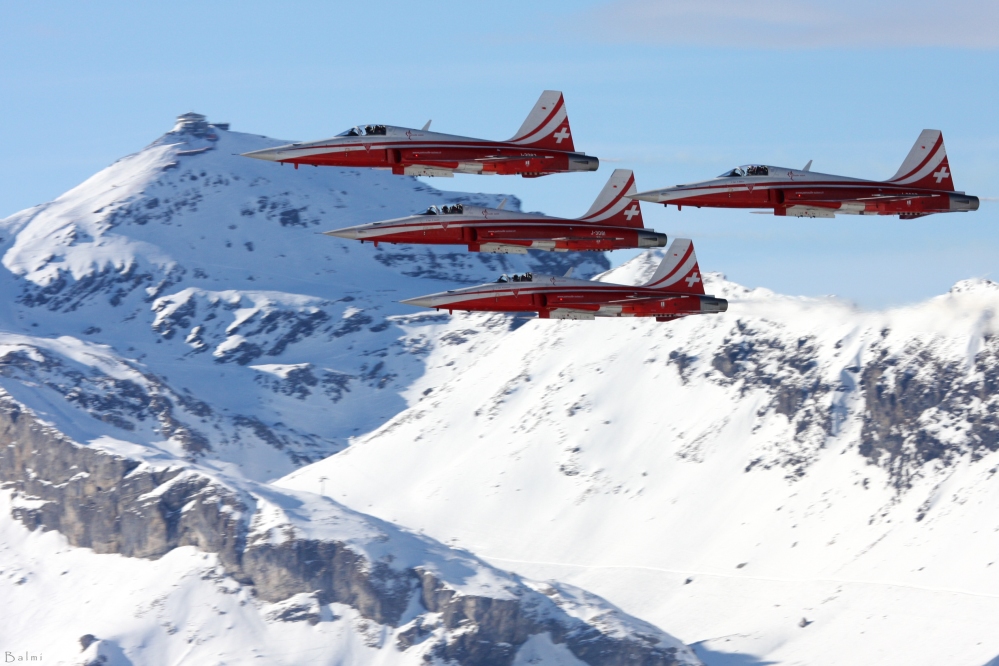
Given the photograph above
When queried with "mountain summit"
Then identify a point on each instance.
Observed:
(174, 336)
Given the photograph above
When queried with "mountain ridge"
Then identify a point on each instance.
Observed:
(795, 474)
(175, 336)
(800, 441)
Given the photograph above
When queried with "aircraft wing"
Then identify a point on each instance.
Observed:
(646, 299)
(587, 238)
(830, 204)
(617, 301)
(509, 158)
(895, 197)
(560, 238)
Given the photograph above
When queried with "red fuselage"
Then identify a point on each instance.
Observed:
(807, 194)
(555, 297)
(423, 153)
(493, 230)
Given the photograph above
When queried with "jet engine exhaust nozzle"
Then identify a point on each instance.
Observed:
(651, 239)
(961, 202)
(712, 304)
(583, 163)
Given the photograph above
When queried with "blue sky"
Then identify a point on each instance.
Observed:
(677, 90)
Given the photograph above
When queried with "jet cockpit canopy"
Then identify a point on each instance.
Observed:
(365, 130)
(456, 209)
(516, 277)
(747, 170)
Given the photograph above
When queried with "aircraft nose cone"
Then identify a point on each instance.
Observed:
(350, 233)
(269, 154)
(420, 301)
(655, 196)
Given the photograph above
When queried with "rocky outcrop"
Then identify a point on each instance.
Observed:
(788, 371)
(918, 404)
(920, 408)
(114, 504)
(110, 503)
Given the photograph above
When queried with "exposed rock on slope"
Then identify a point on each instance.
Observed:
(225, 344)
(206, 268)
(309, 553)
(792, 457)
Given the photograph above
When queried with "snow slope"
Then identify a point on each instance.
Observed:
(205, 269)
(174, 334)
(796, 481)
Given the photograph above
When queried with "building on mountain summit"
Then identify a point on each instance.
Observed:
(197, 125)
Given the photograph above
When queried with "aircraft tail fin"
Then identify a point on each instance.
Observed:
(612, 205)
(926, 165)
(678, 271)
(547, 126)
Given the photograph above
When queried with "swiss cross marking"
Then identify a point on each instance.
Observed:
(561, 134)
(693, 279)
(631, 212)
(940, 175)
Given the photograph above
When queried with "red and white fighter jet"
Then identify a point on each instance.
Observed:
(922, 186)
(675, 291)
(542, 146)
(613, 222)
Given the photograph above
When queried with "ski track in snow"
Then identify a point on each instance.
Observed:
(715, 574)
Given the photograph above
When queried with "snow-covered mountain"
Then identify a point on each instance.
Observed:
(794, 482)
(173, 336)
(225, 440)
(205, 270)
